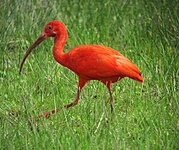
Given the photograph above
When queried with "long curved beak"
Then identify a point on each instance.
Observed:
(40, 39)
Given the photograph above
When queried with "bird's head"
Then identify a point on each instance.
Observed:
(52, 29)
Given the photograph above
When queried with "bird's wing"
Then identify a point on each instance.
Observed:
(97, 62)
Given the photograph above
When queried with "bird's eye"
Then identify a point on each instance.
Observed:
(50, 27)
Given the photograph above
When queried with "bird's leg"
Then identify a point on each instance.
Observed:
(75, 102)
(108, 85)
(111, 97)
(81, 84)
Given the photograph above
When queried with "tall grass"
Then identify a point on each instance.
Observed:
(146, 116)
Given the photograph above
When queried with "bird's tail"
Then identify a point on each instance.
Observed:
(139, 78)
(134, 73)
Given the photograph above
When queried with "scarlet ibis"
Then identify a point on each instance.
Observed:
(89, 62)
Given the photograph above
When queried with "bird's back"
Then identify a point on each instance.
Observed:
(97, 62)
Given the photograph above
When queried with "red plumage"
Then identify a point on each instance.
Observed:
(96, 62)
(89, 62)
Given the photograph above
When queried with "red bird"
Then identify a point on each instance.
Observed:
(89, 62)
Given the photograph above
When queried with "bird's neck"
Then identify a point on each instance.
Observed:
(59, 43)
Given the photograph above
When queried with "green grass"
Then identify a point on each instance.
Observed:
(146, 115)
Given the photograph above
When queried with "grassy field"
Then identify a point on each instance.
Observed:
(146, 115)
